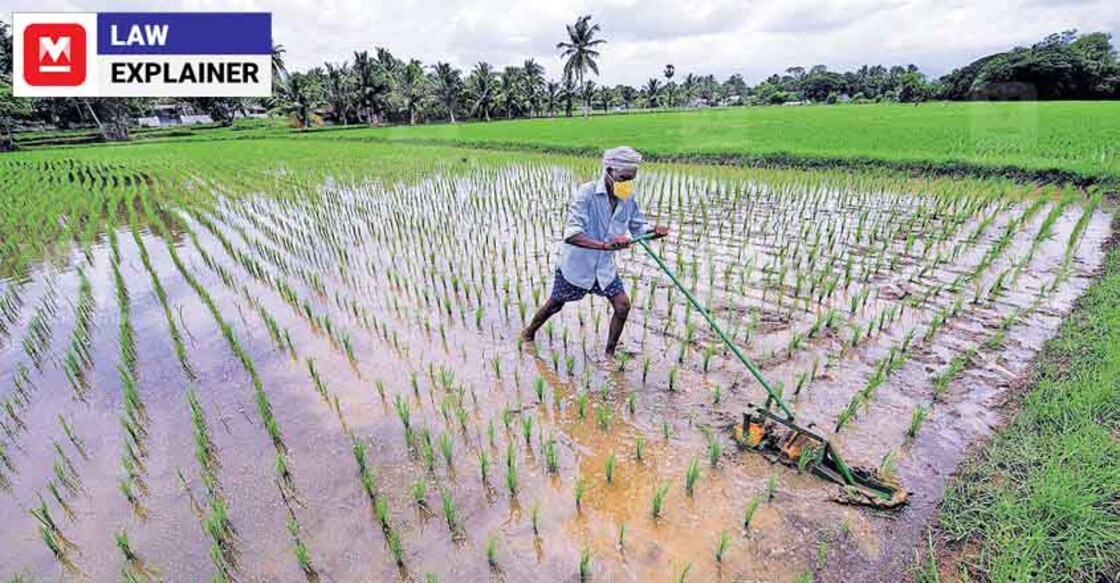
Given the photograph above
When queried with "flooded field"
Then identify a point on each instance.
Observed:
(274, 361)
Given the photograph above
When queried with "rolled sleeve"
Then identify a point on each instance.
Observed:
(577, 215)
(638, 224)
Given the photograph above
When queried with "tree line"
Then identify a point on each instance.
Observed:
(378, 87)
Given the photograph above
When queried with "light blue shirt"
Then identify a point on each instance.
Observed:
(590, 213)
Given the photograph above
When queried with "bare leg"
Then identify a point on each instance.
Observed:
(548, 310)
(621, 305)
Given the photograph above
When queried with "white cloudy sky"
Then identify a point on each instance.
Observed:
(751, 37)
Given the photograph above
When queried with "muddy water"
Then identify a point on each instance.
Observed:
(430, 312)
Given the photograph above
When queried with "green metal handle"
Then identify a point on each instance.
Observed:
(773, 397)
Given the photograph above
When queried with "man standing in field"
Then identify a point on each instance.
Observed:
(601, 220)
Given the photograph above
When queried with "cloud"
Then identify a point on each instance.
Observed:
(720, 37)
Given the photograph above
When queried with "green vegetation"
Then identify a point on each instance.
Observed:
(1062, 139)
(1039, 502)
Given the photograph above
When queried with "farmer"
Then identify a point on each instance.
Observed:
(601, 220)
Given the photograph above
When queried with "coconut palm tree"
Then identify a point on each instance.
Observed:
(627, 95)
(651, 93)
(568, 95)
(532, 84)
(580, 49)
(670, 88)
(587, 94)
(552, 92)
(448, 83)
(689, 88)
(372, 87)
(412, 88)
(510, 95)
(482, 89)
(279, 70)
(605, 97)
(340, 91)
(388, 62)
(298, 97)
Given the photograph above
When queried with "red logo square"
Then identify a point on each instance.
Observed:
(54, 55)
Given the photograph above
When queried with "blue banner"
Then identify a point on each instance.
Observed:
(184, 33)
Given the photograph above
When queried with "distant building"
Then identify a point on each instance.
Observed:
(173, 114)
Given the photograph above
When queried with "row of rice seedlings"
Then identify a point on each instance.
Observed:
(161, 295)
(134, 415)
(37, 338)
(216, 523)
(79, 356)
(52, 536)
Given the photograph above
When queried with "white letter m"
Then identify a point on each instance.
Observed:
(55, 49)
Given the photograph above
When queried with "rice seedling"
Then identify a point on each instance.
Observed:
(715, 450)
(771, 487)
(396, 549)
(403, 412)
(534, 518)
(706, 357)
(888, 463)
(427, 450)
(682, 575)
(621, 535)
(527, 430)
(748, 513)
(484, 466)
(691, 475)
(492, 551)
(584, 565)
(124, 546)
(538, 387)
(609, 471)
(658, 501)
(450, 514)
(917, 417)
(639, 448)
(447, 449)
(580, 490)
(420, 493)
(673, 373)
(603, 417)
(722, 543)
(511, 472)
(551, 457)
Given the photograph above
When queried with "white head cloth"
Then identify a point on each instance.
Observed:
(621, 158)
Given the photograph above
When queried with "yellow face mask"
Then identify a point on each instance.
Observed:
(624, 190)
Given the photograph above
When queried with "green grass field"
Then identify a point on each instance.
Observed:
(1077, 137)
